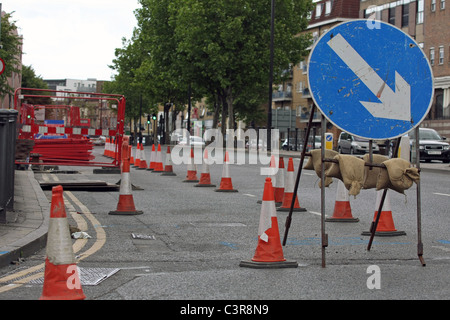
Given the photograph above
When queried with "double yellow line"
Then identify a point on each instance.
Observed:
(9, 282)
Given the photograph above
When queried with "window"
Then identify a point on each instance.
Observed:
(433, 5)
(405, 15)
(420, 11)
(328, 8)
(441, 55)
(319, 10)
(392, 16)
(442, 4)
(432, 56)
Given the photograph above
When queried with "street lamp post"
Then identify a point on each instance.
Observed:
(269, 111)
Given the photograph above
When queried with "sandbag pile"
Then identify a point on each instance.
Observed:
(397, 173)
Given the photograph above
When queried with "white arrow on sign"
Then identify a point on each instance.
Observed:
(394, 105)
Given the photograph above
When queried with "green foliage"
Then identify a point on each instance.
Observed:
(10, 53)
(218, 48)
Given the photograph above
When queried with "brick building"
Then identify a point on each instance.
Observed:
(428, 22)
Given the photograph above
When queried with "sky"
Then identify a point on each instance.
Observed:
(73, 39)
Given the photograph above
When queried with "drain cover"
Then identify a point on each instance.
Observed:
(88, 276)
(143, 236)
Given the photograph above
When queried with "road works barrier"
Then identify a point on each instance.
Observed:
(269, 253)
(52, 121)
(61, 278)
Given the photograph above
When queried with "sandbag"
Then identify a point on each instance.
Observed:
(315, 160)
(371, 173)
(352, 171)
(399, 175)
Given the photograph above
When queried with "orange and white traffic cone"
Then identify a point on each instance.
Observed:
(131, 155)
(205, 177)
(158, 165)
(137, 160)
(126, 201)
(151, 165)
(191, 169)
(289, 191)
(272, 175)
(168, 168)
(342, 209)
(105, 151)
(269, 253)
(143, 162)
(279, 183)
(226, 184)
(385, 225)
(61, 278)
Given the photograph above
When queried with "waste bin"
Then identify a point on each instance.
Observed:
(8, 120)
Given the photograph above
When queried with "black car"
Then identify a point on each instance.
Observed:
(431, 145)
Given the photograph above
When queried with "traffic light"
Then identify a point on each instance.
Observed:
(154, 116)
(148, 119)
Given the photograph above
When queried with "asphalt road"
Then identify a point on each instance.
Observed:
(193, 240)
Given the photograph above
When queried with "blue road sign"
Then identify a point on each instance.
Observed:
(371, 80)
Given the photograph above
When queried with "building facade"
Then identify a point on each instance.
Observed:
(15, 80)
(428, 22)
(326, 14)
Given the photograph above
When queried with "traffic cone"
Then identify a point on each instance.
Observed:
(205, 177)
(137, 160)
(143, 162)
(191, 169)
(289, 191)
(168, 168)
(158, 165)
(225, 183)
(126, 201)
(61, 279)
(131, 156)
(385, 225)
(105, 151)
(272, 175)
(342, 209)
(269, 253)
(151, 165)
(279, 183)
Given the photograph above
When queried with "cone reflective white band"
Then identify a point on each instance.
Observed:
(125, 184)
(265, 220)
(59, 243)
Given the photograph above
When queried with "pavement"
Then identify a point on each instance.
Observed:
(25, 232)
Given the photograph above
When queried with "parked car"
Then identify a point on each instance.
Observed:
(316, 145)
(194, 141)
(348, 143)
(431, 145)
(98, 140)
(284, 146)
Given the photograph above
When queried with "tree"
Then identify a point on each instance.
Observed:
(226, 42)
(10, 53)
(31, 80)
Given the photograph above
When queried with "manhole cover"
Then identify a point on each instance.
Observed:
(88, 276)
(143, 236)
